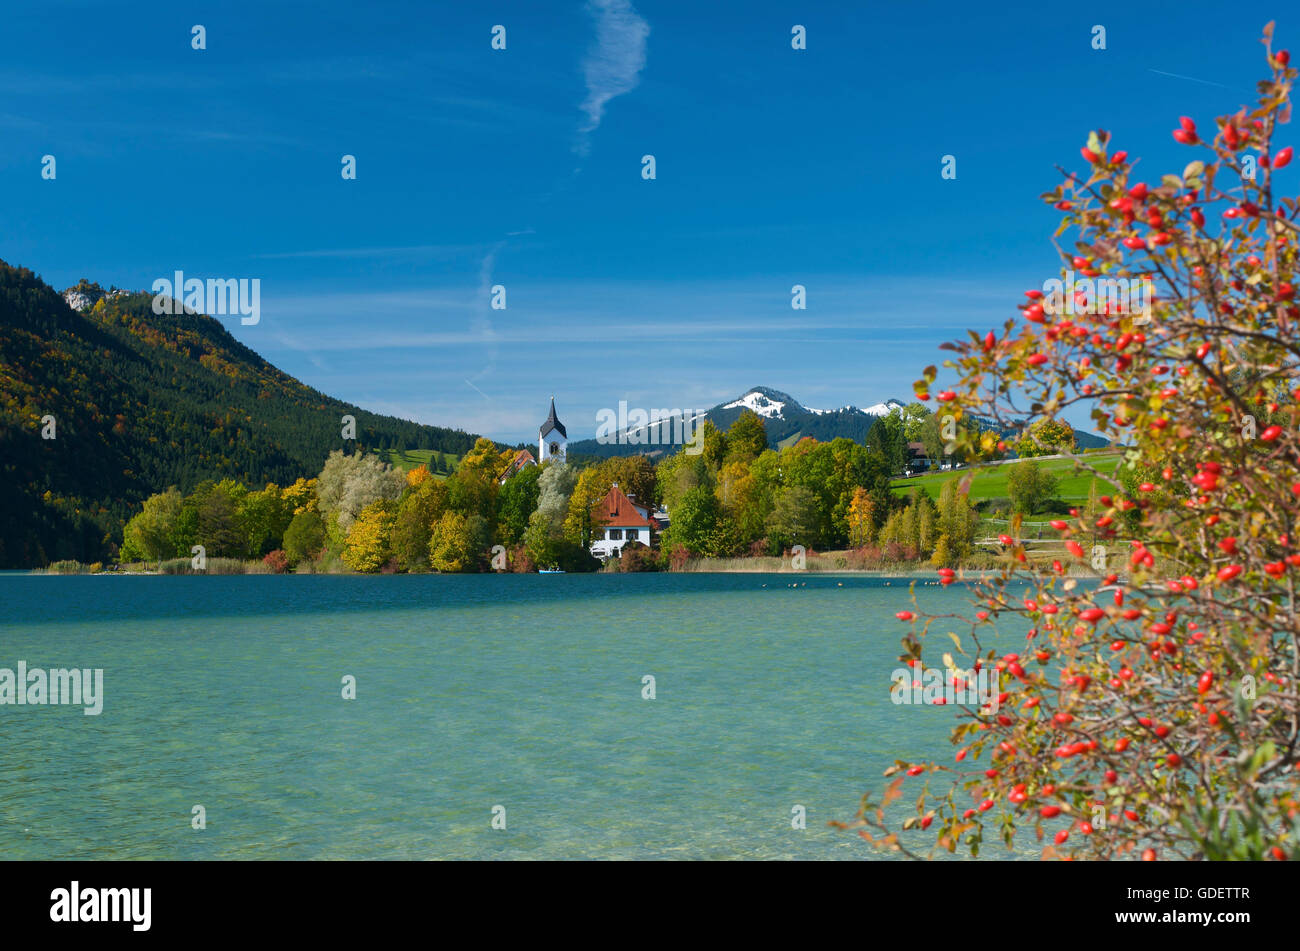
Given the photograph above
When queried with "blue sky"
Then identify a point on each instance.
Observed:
(522, 168)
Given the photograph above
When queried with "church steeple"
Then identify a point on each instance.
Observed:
(553, 423)
(552, 438)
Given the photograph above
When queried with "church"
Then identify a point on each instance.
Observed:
(553, 438)
(619, 517)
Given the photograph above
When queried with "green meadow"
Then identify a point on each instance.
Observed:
(408, 459)
(990, 481)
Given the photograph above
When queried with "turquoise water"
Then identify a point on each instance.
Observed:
(472, 692)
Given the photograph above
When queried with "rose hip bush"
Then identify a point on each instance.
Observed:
(1152, 713)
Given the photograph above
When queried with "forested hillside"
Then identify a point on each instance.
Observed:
(140, 402)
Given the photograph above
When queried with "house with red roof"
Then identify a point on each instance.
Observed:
(522, 460)
(619, 520)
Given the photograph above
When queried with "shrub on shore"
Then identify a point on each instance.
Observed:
(68, 567)
(1154, 715)
(213, 566)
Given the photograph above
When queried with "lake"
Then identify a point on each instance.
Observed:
(472, 692)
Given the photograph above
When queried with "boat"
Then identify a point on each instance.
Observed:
(553, 570)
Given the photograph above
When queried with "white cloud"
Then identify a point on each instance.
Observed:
(614, 63)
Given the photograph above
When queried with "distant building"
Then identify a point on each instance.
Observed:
(553, 439)
(522, 460)
(620, 521)
(917, 459)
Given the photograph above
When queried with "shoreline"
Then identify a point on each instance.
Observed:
(926, 574)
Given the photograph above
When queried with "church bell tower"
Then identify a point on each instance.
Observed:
(553, 439)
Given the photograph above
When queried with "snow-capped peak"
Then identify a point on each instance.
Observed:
(760, 403)
(883, 409)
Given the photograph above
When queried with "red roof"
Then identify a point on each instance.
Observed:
(522, 458)
(617, 511)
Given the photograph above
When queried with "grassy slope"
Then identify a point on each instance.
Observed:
(408, 459)
(990, 482)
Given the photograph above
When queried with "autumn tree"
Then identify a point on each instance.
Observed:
(516, 502)
(1153, 714)
(635, 475)
(580, 521)
(459, 542)
(1046, 437)
(305, 537)
(473, 487)
(862, 518)
(795, 518)
(348, 483)
(417, 512)
(150, 535)
(694, 518)
(219, 529)
(957, 524)
(1029, 487)
(368, 545)
(746, 437)
(264, 516)
(742, 499)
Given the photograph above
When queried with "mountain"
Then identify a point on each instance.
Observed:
(787, 421)
(140, 402)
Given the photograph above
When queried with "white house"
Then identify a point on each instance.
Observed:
(620, 521)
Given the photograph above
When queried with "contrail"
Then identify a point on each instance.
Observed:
(1190, 78)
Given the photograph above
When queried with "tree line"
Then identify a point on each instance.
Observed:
(728, 493)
